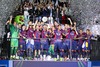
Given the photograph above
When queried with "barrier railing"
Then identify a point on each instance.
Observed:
(70, 49)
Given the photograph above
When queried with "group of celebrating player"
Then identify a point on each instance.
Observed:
(39, 39)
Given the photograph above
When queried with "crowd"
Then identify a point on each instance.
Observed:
(48, 30)
(51, 10)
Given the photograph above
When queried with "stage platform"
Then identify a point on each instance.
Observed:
(50, 64)
(30, 63)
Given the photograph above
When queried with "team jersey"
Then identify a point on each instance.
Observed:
(72, 34)
(37, 35)
(81, 40)
(30, 33)
(58, 34)
(14, 34)
(67, 33)
(23, 34)
(44, 34)
(50, 34)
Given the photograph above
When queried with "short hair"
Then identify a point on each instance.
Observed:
(87, 29)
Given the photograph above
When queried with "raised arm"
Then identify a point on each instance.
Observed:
(35, 23)
(9, 21)
(70, 21)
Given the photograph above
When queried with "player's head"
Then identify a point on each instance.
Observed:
(49, 29)
(30, 23)
(80, 31)
(45, 27)
(55, 23)
(30, 26)
(53, 28)
(37, 27)
(59, 27)
(67, 26)
(88, 31)
(15, 24)
(19, 26)
(23, 27)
